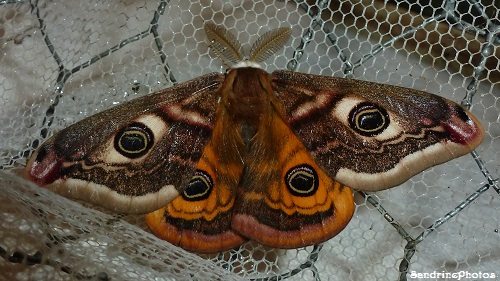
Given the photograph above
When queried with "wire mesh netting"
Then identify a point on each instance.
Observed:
(62, 61)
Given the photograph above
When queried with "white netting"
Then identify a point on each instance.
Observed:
(61, 61)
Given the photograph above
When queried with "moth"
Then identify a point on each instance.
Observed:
(248, 154)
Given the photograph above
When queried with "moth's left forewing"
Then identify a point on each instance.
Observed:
(135, 157)
(372, 136)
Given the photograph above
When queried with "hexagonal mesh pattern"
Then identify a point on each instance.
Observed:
(62, 61)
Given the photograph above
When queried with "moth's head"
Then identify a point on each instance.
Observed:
(247, 63)
(225, 45)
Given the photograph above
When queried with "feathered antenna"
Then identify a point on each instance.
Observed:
(224, 44)
(269, 43)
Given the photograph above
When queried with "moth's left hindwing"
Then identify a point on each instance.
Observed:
(132, 158)
(200, 219)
